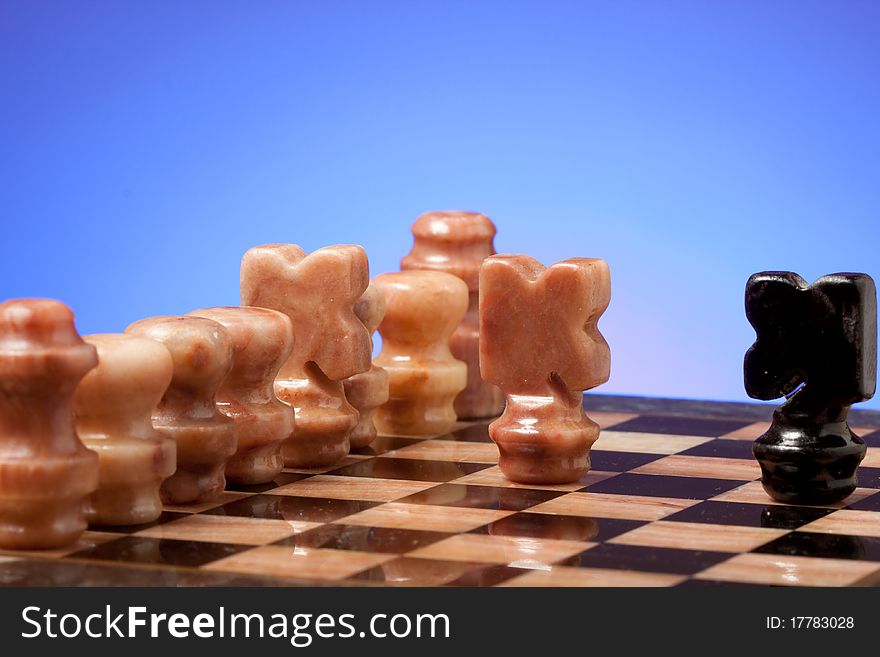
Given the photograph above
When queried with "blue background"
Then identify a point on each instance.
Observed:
(145, 146)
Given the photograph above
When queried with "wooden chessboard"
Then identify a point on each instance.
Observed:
(673, 499)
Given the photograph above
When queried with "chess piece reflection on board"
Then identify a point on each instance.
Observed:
(540, 344)
(816, 345)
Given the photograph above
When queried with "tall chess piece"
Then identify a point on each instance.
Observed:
(46, 473)
(202, 355)
(318, 292)
(540, 344)
(817, 346)
(113, 405)
(368, 390)
(423, 310)
(457, 243)
(262, 340)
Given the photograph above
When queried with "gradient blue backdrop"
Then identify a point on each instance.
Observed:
(144, 146)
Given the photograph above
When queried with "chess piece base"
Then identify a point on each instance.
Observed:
(318, 444)
(803, 463)
(324, 420)
(134, 504)
(366, 392)
(421, 398)
(130, 473)
(202, 452)
(255, 465)
(54, 518)
(544, 439)
(261, 429)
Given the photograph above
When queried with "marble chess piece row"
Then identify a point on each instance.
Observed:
(108, 429)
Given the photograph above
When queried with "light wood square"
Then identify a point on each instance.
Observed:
(514, 551)
(846, 521)
(753, 493)
(606, 419)
(783, 570)
(228, 529)
(646, 443)
(698, 536)
(494, 477)
(425, 517)
(352, 488)
(711, 467)
(749, 432)
(447, 450)
(565, 576)
(603, 505)
(300, 562)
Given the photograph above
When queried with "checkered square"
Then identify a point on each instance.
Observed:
(671, 500)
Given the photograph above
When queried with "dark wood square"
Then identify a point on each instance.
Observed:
(166, 552)
(732, 449)
(167, 516)
(571, 528)
(831, 546)
(410, 469)
(385, 444)
(474, 433)
(775, 516)
(282, 479)
(287, 507)
(689, 488)
(481, 497)
(870, 503)
(364, 539)
(680, 425)
(619, 461)
(649, 559)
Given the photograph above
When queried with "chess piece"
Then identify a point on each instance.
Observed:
(46, 473)
(113, 407)
(368, 390)
(317, 292)
(202, 355)
(423, 310)
(262, 340)
(816, 345)
(457, 243)
(540, 344)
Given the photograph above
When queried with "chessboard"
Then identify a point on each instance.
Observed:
(673, 498)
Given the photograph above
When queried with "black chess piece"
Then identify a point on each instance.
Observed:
(817, 346)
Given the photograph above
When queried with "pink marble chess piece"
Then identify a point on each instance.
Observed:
(113, 406)
(423, 310)
(457, 243)
(262, 340)
(368, 390)
(46, 473)
(202, 354)
(318, 292)
(540, 344)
